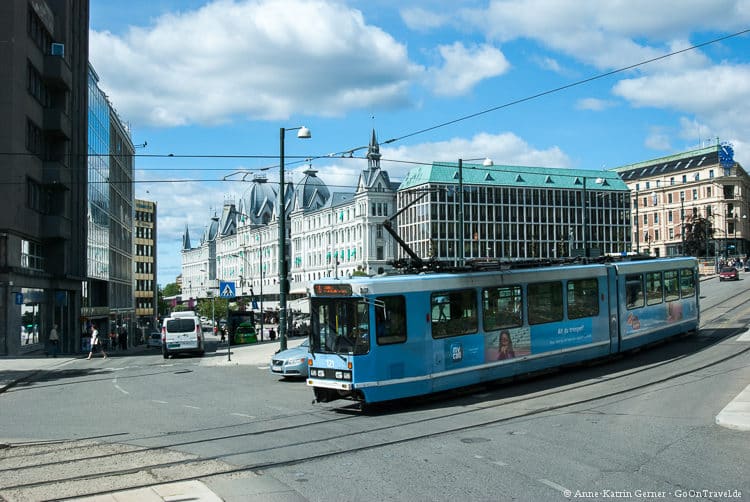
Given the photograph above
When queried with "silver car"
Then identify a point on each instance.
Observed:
(154, 340)
(291, 362)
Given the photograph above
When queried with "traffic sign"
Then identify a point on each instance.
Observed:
(226, 289)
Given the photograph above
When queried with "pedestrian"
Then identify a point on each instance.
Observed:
(113, 340)
(54, 340)
(95, 342)
(123, 338)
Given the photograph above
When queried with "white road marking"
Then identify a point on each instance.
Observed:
(242, 415)
(191, 407)
(557, 487)
(157, 401)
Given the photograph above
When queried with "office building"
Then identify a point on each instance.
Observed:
(695, 202)
(43, 175)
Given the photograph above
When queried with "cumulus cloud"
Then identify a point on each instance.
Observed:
(420, 19)
(502, 148)
(463, 67)
(606, 34)
(259, 59)
(594, 104)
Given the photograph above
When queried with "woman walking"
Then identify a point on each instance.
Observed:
(95, 342)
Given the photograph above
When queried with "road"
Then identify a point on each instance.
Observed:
(641, 427)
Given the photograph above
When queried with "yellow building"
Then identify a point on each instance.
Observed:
(144, 261)
(673, 197)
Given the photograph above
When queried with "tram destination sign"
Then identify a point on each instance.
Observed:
(333, 289)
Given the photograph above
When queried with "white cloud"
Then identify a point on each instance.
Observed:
(260, 59)
(658, 140)
(504, 148)
(420, 19)
(594, 104)
(607, 34)
(464, 67)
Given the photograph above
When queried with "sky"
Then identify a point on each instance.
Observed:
(205, 87)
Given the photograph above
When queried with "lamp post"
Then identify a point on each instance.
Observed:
(637, 227)
(682, 222)
(303, 133)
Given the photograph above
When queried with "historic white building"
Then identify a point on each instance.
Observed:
(330, 234)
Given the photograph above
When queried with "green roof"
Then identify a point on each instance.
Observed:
(514, 176)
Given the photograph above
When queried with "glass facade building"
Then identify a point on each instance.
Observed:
(98, 187)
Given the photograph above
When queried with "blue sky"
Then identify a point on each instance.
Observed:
(211, 82)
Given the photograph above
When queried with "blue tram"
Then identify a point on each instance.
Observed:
(390, 337)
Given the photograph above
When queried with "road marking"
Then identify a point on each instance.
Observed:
(736, 414)
(191, 407)
(157, 401)
(242, 415)
(501, 464)
(557, 487)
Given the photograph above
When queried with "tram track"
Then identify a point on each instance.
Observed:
(25, 467)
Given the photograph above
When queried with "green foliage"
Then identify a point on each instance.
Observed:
(171, 289)
(698, 238)
(216, 307)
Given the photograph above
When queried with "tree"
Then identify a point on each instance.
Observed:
(171, 289)
(218, 307)
(698, 237)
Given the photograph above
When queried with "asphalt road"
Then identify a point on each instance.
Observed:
(640, 427)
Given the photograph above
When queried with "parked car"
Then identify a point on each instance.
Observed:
(729, 274)
(154, 340)
(291, 362)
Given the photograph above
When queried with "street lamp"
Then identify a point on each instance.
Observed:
(303, 133)
(682, 221)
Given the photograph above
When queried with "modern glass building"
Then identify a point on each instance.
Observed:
(108, 298)
(457, 212)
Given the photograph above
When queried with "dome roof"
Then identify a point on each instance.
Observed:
(258, 202)
(212, 230)
(311, 192)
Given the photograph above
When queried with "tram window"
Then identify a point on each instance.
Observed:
(634, 297)
(454, 313)
(583, 298)
(671, 285)
(340, 325)
(501, 307)
(654, 288)
(390, 319)
(687, 283)
(545, 300)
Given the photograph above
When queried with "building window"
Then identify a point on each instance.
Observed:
(31, 255)
(34, 141)
(695, 194)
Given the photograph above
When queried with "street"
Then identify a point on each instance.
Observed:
(637, 427)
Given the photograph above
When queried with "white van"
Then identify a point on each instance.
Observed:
(181, 332)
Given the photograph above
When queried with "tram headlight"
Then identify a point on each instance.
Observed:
(343, 375)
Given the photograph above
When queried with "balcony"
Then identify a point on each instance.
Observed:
(56, 227)
(56, 123)
(57, 72)
(57, 174)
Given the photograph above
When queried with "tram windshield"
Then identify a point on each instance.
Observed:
(339, 326)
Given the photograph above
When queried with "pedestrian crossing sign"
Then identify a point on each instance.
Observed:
(226, 289)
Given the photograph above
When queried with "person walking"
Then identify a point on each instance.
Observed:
(54, 340)
(95, 342)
